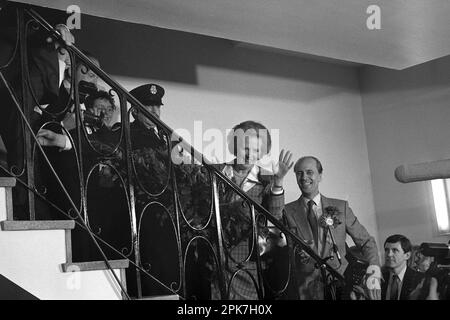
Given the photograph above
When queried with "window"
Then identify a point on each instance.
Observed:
(441, 196)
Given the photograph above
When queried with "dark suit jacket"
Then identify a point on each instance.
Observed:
(410, 282)
(307, 277)
(43, 74)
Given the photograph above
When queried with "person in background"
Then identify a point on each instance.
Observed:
(46, 65)
(150, 158)
(400, 281)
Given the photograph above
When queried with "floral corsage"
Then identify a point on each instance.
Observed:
(329, 217)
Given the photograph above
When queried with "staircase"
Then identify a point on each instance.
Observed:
(36, 256)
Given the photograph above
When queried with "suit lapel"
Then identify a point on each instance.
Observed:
(384, 284)
(326, 245)
(407, 285)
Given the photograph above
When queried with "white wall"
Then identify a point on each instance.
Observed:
(407, 116)
(316, 106)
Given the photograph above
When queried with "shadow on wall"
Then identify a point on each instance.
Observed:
(140, 51)
(424, 77)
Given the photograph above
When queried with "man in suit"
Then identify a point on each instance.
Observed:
(45, 69)
(54, 124)
(400, 281)
(308, 217)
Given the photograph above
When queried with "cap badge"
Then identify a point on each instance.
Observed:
(153, 89)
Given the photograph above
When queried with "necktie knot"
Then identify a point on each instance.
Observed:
(311, 204)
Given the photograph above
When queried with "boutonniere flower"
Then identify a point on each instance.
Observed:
(329, 217)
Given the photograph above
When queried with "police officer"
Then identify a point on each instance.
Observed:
(151, 161)
(144, 133)
(151, 157)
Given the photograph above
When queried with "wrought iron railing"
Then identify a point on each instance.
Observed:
(165, 218)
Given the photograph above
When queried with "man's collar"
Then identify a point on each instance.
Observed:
(317, 200)
(401, 274)
(141, 126)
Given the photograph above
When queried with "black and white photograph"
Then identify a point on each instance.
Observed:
(232, 157)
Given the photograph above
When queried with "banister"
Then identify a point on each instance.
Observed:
(124, 94)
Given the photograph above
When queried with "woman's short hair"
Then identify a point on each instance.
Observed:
(249, 128)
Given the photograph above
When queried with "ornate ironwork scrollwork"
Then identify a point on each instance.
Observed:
(206, 215)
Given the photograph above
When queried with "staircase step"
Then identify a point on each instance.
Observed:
(32, 259)
(7, 182)
(37, 225)
(6, 203)
(94, 265)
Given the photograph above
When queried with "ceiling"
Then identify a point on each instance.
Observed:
(412, 31)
